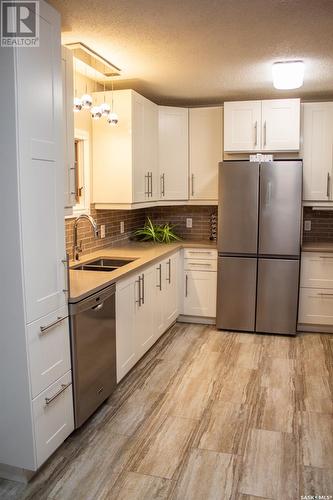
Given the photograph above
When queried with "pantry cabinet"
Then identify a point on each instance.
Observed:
(317, 151)
(125, 156)
(205, 151)
(272, 125)
(173, 153)
(36, 414)
(316, 291)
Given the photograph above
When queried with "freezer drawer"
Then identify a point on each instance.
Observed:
(238, 207)
(280, 208)
(277, 296)
(236, 293)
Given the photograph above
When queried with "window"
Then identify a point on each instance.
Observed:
(82, 172)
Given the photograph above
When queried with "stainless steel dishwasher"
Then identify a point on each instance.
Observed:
(93, 346)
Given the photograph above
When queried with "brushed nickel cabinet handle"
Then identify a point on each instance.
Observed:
(256, 133)
(326, 294)
(159, 269)
(186, 285)
(45, 329)
(265, 132)
(143, 288)
(147, 184)
(328, 185)
(138, 281)
(192, 184)
(66, 264)
(169, 273)
(63, 388)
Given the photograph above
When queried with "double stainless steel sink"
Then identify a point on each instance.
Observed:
(104, 264)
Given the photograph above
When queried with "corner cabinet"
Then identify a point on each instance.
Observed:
(125, 156)
(35, 375)
(173, 153)
(206, 151)
(317, 151)
(271, 125)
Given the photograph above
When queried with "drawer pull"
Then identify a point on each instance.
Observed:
(326, 294)
(63, 388)
(326, 257)
(200, 264)
(207, 252)
(44, 329)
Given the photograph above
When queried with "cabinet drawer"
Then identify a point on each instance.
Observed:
(53, 417)
(316, 306)
(200, 253)
(317, 270)
(49, 350)
(200, 265)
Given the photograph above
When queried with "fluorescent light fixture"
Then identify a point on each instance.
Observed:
(288, 75)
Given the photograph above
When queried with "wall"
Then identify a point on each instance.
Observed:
(134, 219)
(321, 225)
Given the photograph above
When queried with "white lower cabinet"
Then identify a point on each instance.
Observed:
(53, 417)
(200, 281)
(316, 289)
(146, 305)
(49, 349)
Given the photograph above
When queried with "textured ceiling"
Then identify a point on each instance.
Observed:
(206, 51)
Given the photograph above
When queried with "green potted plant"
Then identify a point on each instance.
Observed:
(156, 232)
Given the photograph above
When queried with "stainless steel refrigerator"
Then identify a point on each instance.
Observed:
(259, 230)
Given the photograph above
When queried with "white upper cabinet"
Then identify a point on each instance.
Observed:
(206, 151)
(125, 162)
(242, 126)
(272, 125)
(68, 128)
(280, 120)
(317, 151)
(40, 129)
(173, 152)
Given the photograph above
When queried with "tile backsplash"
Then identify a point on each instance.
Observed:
(133, 219)
(321, 225)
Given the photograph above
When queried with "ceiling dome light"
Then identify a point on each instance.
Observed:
(113, 118)
(86, 101)
(288, 75)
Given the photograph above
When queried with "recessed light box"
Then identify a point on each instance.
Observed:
(92, 64)
(288, 75)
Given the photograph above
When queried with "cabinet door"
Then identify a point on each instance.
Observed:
(40, 130)
(200, 293)
(242, 126)
(68, 128)
(144, 311)
(173, 152)
(205, 132)
(140, 167)
(281, 125)
(317, 150)
(171, 285)
(151, 147)
(126, 344)
(160, 293)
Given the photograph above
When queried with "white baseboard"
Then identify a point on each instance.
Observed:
(16, 474)
(196, 319)
(314, 328)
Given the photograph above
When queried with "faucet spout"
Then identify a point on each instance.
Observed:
(77, 249)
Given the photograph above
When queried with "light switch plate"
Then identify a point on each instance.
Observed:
(307, 225)
(102, 230)
(188, 222)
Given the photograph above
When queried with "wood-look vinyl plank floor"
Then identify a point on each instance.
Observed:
(204, 415)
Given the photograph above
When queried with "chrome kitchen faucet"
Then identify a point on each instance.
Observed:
(77, 249)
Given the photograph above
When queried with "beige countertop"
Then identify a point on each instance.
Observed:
(317, 247)
(85, 283)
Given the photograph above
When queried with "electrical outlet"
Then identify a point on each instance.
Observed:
(307, 225)
(189, 222)
(122, 227)
(102, 230)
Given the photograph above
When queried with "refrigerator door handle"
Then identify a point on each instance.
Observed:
(268, 194)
